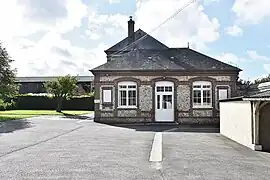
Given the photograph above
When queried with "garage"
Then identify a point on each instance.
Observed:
(246, 120)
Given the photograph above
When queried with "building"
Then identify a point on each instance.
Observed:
(245, 119)
(143, 80)
(35, 85)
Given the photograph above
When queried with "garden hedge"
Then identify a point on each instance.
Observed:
(48, 103)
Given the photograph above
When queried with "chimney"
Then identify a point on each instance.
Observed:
(131, 30)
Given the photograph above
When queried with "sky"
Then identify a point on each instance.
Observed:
(60, 37)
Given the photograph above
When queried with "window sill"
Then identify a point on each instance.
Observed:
(202, 107)
(127, 107)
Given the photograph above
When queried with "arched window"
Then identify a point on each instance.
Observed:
(202, 94)
(127, 94)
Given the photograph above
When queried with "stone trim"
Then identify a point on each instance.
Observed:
(215, 83)
(166, 73)
(105, 83)
(198, 120)
(183, 111)
(97, 97)
(107, 104)
(213, 100)
(116, 81)
(175, 83)
(122, 79)
(202, 109)
(180, 120)
(125, 120)
(223, 87)
(218, 87)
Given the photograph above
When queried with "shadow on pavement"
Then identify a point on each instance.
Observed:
(13, 125)
(169, 128)
(72, 116)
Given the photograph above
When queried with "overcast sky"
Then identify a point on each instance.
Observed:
(59, 37)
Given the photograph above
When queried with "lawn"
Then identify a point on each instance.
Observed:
(21, 114)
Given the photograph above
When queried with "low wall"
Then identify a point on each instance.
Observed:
(235, 121)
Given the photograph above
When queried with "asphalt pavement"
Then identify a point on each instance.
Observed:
(70, 148)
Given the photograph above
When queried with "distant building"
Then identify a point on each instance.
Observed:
(35, 85)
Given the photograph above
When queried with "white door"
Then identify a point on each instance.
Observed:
(164, 99)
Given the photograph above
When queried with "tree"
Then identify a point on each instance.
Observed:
(62, 88)
(244, 87)
(262, 80)
(8, 87)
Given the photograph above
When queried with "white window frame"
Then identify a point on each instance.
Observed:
(201, 88)
(127, 89)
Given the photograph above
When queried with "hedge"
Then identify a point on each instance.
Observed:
(49, 103)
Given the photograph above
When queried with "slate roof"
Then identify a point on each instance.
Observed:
(36, 79)
(181, 59)
(147, 53)
(146, 42)
(263, 94)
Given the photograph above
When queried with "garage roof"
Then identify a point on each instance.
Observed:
(36, 79)
(259, 96)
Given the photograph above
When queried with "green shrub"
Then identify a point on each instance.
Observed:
(27, 102)
(3, 105)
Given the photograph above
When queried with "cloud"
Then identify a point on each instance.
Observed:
(255, 56)
(190, 25)
(59, 58)
(267, 67)
(33, 36)
(45, 11)
(208, 2)
(61, 51)
(251, 11)
(234, 30)
(110, 25)
(230, 58)
(35, 32)
(30, 16)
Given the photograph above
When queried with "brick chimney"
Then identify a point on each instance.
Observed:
(131, 30)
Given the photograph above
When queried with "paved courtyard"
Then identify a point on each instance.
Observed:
(64, 148)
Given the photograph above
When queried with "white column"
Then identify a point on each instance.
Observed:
(256, 117)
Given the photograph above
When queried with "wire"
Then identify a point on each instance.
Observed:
(143, 37)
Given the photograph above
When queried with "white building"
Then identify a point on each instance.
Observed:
(246, 119)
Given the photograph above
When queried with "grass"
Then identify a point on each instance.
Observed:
(22, 114)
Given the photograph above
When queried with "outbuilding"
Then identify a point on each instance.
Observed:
(246, 120)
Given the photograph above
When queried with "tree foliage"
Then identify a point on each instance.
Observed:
(62, 88)
(8, 87)
(262, 80)
(244, 87)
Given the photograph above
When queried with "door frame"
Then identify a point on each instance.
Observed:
(174, 96)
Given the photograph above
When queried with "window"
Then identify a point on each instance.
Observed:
(127, 92)
(107, 96)
(202, 94)
(164, 88)
(222, 94)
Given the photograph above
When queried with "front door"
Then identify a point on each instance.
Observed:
(164, 99)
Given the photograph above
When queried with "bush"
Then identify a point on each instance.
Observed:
(3, 105)
(27, 102)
